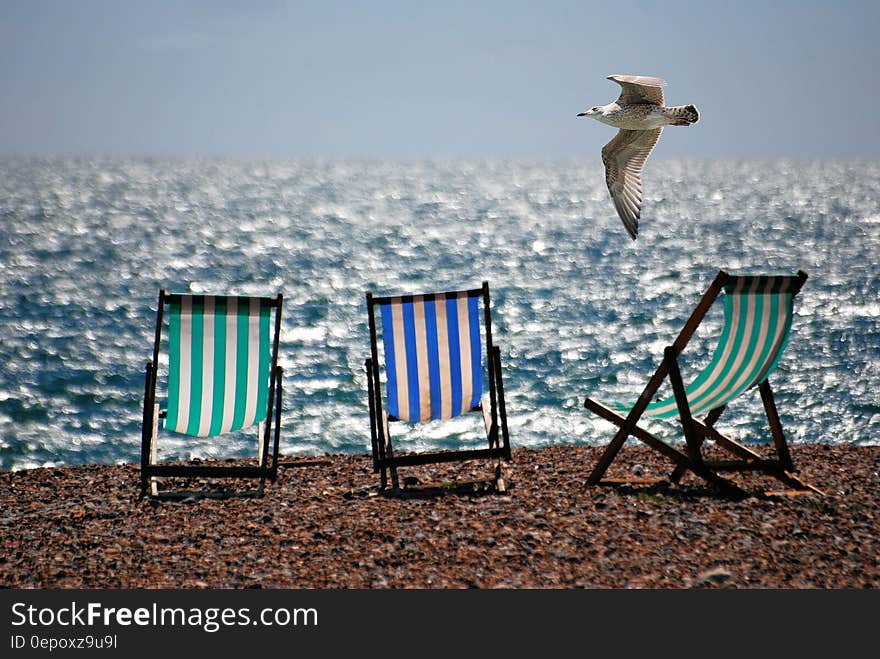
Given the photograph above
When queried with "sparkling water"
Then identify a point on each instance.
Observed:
(578, 308)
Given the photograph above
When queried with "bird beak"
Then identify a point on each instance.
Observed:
(582, 114)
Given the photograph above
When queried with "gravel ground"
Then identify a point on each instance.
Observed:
(324, 524)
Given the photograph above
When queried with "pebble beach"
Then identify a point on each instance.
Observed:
(326, 525)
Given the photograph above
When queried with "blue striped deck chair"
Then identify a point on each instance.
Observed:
(223, 377)
(433, 360)
(758, 312)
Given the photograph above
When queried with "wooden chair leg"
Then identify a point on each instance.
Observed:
(710, 420)
(502, 408)
(644, 400)
(500, 485)
(775, 426)
(638, 432)
(611, 452)
(692, 438)
(677, 474)
(392, 466)
(703, 429)
(388, 454)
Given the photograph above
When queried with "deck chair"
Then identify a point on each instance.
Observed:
(758, 314)
(433, 363)
(223, 377)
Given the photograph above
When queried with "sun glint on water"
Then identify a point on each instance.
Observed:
(578, 308)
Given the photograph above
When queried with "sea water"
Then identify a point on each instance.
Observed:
(578, 308)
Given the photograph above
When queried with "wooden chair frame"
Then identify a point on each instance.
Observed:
(696, 431)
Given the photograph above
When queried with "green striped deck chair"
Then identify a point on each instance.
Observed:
(758, 312)
(433, 361)
(223, 377)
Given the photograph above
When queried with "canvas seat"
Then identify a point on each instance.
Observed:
(433, 360)
(758, 313)
(223, 377)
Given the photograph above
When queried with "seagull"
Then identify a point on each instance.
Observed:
(640, 115)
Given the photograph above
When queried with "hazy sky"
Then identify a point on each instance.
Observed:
(423, 79)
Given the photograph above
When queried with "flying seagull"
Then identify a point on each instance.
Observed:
(640, 115)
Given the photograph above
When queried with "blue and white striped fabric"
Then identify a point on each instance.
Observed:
(432, 355)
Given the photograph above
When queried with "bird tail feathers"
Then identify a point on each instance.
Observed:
(683, 115)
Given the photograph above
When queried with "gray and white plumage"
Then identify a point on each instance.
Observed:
(640, 115)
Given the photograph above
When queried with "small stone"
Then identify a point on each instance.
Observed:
(717, 575)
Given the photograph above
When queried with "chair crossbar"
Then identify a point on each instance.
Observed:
(412, 459)
(206, 471)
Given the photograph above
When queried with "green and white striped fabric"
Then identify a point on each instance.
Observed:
(757, 320)
(218, 363)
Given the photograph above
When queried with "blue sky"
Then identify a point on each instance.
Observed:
(397, 79)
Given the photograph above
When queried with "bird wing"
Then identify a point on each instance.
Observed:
(639, 89)
(624, 158)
